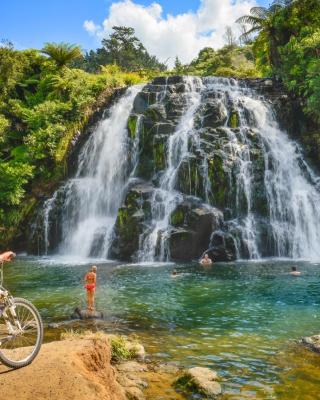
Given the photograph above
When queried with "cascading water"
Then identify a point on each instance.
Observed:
(290, 227)
(165, 198)
(91, 199)
(223, 158)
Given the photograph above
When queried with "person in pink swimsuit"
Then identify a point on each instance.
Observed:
(90, 284)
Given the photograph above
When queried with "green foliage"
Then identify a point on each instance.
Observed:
(288, 47)
(13, 177)
(230, 61)
(62, 53)
(43, 104)
(124, 49)
(119, 349)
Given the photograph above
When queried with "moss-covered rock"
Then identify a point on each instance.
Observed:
(130, 221)
(132, 126)
(199, 381)
(234, 120)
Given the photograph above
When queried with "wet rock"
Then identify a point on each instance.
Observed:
(213, 114)
(168, 368)
(86, 314)
(175, 79)
(140, 103)
(201, 381)
(160, 80)
(134, 393)
(131, 366)
(130, 221)
(137, 349)
(194, 224)
(312, 342)
(222, 247)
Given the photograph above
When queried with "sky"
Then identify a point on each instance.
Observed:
(167, 28)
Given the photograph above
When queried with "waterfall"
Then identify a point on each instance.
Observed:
(292, 222)
(222, 152)
(92, 197)
(165, 198)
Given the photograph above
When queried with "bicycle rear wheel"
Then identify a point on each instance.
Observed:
(20, 348)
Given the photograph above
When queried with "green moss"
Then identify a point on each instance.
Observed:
(159, 153)
(234, 119)
(177, 217)
(186, 385)
(132, 126)
(119, 349)
(218, 180)
(153, 114)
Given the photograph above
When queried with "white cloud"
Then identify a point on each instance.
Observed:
(182, 35)
(91, 27)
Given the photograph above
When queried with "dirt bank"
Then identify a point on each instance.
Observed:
(66, 370)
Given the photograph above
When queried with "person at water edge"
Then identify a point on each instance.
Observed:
(7, 256)
(294, 271)
(206, 260)
(91, 280)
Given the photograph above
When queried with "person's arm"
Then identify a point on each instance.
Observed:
(7, 256)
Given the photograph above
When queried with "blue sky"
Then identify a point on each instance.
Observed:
(30, 23)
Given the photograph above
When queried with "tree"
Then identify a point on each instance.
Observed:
(62, 53)
(262, 20)
(124, 49)
(229, 37)
(178, 67)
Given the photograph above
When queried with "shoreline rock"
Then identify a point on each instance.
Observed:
(312, 342)
(199, 380)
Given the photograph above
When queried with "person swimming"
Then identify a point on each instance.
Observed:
(174, 273)
(294, 271)
(206, 260)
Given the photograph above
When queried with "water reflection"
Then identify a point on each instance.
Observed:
(241, 319)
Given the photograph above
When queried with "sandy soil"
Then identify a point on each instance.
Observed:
(67, 370)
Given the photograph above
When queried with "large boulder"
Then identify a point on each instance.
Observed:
(130, 221)
(193, 224)
(312, 342)
(199, 380)
(213, 113)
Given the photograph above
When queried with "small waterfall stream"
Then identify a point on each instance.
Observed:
(92, 198)
(270, 198)
(165, 198)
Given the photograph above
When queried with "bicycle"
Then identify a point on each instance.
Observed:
(21, 329)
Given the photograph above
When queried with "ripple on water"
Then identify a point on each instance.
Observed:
(239, 319)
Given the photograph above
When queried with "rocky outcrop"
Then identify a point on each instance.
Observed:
(201, 381)
(312, 342)
(86, 314)
(212, 205)
(218, 182)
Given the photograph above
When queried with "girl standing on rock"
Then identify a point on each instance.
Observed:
(90, 280)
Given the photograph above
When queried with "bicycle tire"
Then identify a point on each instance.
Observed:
(20, 364)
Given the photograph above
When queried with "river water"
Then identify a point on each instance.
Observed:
(241, 319)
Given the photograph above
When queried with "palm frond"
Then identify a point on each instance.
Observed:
(260, 12)
(247, 36)
(249, 19)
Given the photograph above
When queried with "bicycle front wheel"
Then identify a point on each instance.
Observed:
(20, 347)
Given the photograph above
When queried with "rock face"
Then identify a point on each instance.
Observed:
(209, 211)
(312, 342)
(86, 314)
(201, 381)
(201, 176)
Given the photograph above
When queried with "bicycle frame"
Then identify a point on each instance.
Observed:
(7, 304)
